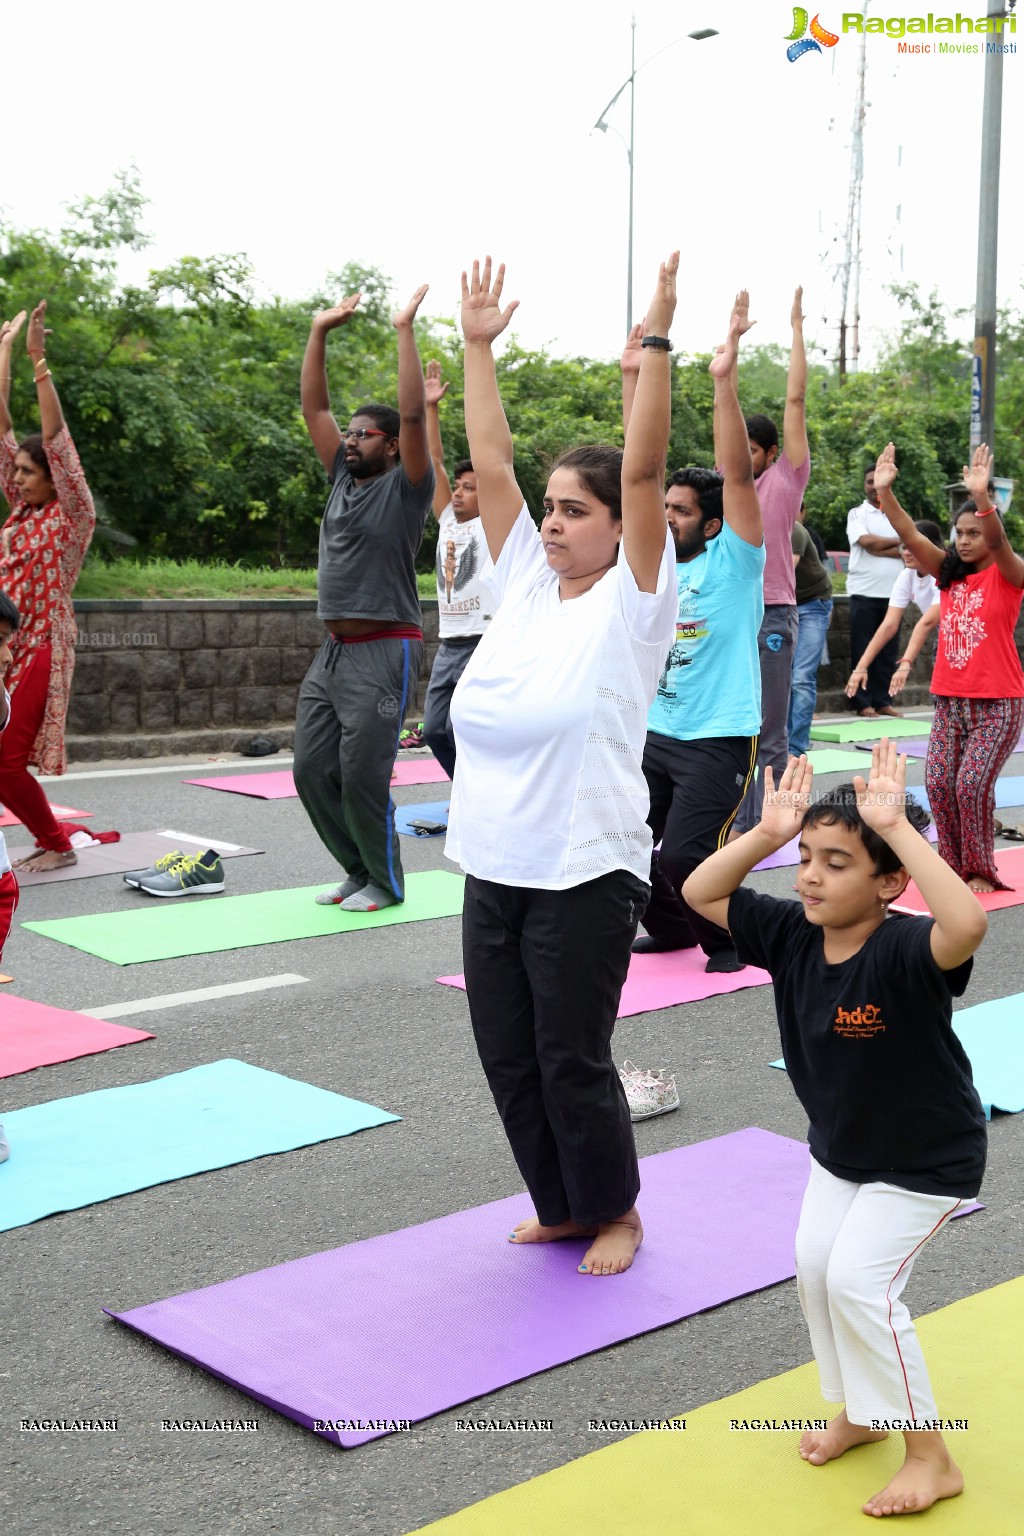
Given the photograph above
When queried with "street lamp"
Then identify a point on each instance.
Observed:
(602, 126)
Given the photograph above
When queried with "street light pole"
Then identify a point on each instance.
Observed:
(983, 373)
(602, 126)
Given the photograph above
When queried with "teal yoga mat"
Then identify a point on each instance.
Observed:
(202, 925)
(992, 1036)
(870, 730)
(94, 1146)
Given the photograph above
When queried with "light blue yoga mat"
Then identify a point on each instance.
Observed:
(94, 1146)
(434, 810)
(992, 1034)
(1009, 792)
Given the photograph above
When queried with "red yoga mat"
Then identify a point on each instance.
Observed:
(62, 813)
(1011, 870)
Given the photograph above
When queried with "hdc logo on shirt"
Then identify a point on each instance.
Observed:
(861, 1023)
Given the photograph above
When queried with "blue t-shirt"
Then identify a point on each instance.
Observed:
(711, 684)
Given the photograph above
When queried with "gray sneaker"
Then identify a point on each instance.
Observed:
(192, 875)
(135, 877)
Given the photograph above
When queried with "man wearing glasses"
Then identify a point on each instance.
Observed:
(354, 697)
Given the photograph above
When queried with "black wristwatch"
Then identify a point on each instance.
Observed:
(662, 343)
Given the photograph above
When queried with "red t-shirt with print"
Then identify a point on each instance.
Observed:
(977, 654)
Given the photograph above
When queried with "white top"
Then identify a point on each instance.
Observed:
(913, 587)
(464, 602)
(870, 575)
(550, 719)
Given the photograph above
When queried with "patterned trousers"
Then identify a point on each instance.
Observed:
(971, 739)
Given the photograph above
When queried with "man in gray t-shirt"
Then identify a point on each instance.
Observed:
(353, 700)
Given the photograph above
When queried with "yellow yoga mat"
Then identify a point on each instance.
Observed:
(712, 1480)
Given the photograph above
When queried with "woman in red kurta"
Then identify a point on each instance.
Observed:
(42, 547)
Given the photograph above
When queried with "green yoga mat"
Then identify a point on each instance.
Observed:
(870, 730)
(202, 925)
(832, 760)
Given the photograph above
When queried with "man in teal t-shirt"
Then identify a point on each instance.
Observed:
(702, 729)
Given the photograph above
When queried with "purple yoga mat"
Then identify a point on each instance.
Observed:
(917, 746)
(789, 853)
(400, 1327)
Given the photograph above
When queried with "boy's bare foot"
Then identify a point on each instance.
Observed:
(531, 1231)
(821, 1445)
(980, 886)
(38, 863)
(921, 1482)
(613, 1249)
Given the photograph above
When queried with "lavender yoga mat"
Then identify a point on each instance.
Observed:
(789, 853)
(407, 1325)
(664, 981)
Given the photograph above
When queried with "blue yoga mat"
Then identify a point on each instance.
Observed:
(993, 1038)
(94, 1146)
(1009, 792)
(434, 810)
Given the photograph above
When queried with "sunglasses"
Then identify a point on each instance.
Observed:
(360, 432)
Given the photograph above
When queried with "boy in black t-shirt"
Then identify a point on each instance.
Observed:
(897, 1132)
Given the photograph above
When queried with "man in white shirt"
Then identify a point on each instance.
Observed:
(875, 563)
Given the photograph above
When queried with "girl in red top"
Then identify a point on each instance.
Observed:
(978, 682)
(42, 547)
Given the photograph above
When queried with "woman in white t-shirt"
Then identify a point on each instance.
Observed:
(913, 585)
(549, 806)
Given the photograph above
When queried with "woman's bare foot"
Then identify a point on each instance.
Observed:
(980, 886)
(821, 1445)
(928, 1475)
(43, 859)
(531, 1231)
(612, 1251)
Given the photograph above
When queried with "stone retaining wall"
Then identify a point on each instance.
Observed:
(155, 678)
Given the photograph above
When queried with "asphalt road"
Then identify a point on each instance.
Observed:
(371, 1023)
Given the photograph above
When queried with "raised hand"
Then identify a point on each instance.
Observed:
(739, 320)
(783, 809)
(10, 328)
(882, 800)
(434, 387)
(885, 468)
(796, 314)
(632, 352)
(979, 473)
(725, 357)
(406, 316)
(663, 305)
(35, 340)
(341, 314)
(483, 318)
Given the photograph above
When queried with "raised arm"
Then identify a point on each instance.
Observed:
(741, 507)
(51, 417)
(413, 448)
(960, 921)
(435, 389)
(929, 556)
(918, 635)
(490, 441)
(646, 448)
(708, 889)
(313, 392)
(794, 420)
(976, 479)
(8, 332)
(629, 362)
(740, 307)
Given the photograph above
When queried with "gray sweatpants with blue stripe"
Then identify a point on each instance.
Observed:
(350, 711)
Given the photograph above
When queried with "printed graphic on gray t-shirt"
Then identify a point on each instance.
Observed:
(368, 541)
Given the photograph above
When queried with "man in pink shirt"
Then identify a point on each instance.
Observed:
(781, 480)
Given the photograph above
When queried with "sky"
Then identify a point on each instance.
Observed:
(412, 138)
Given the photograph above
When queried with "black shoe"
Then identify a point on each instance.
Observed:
(724, 961)
(646, 945)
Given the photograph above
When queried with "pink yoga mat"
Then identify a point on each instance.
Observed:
(35, 1035)
(1011, 869)
(663, 981)
(406, 1325)
(62, 813)
(281, 785)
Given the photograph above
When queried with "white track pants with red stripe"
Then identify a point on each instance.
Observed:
(855, 1248)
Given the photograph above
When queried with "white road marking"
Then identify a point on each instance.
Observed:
(200, 995)
(202, 842)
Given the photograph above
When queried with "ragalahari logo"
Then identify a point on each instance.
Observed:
(800, 43)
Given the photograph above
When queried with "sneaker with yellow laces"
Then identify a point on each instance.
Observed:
(194, 875)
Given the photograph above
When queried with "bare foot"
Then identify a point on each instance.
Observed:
(38, 863)
(920, 1483)
(980, 886)
(611, 1252)
(531, 1231)
(821, 1445)
(868, 714)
